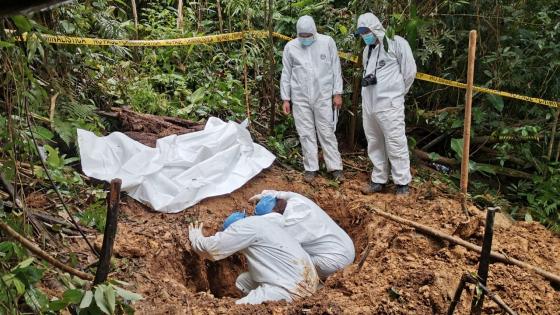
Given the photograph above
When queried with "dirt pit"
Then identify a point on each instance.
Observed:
(404, 273)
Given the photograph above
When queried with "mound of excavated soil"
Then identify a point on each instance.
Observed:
(404, 273)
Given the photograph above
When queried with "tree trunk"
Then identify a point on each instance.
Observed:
(135, 16)
(356, 89)
(220, 19)
(553, 135)
(180, 22)
(270, 53)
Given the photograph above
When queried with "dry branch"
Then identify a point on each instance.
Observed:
(42, 254)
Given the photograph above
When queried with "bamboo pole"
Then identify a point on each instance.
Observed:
(42, 254)
(467, 126)
(496, 256)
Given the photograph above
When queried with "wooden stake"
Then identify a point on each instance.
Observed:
(496, 256)
(467, 127)
(42, 254)
(104, 265)
(457, 295)
(484, 261)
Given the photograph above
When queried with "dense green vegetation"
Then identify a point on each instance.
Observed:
(47, 91)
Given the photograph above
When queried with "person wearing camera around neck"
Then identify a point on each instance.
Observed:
(388, 75)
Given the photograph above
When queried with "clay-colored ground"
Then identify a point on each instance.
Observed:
(154, 256)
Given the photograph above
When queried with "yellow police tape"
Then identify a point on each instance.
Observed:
(209, 39)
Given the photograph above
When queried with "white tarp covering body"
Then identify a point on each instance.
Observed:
(181, 170)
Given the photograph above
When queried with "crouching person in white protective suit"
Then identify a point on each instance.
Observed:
(388, 75)
(330, 248)
(312, 80)
(279, 269)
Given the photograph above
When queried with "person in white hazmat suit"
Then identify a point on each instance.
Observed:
(330, 248)
(279, 268)
(388, 75)
(312, 81)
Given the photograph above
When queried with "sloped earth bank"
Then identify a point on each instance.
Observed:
(404, 273)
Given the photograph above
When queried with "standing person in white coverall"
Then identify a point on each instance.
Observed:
(330, 248)
(312, 81)
(279, 269)
(388, 75)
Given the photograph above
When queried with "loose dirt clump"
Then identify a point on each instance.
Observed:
(404, 273)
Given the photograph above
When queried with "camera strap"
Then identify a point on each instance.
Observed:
(371, 47)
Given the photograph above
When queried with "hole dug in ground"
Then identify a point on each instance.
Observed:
(218, 277)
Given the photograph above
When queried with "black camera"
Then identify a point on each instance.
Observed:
(368, 80)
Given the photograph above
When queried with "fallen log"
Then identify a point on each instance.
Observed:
(439, 159)
(498, 170)
(496, 256)
(42, 254)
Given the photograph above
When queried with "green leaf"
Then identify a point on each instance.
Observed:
(86, 300)
(434, 156)
(4, 44)
(24, 264)
(127, 295)
(67, 26)
(100, 299)
(497, 101)
(43, 133)
(110, 298)
(528, 217)
(22, 23)
(20, 287)
(457, 146)
(36, 300)
(343, 30)
(73, 296)
(57, 305)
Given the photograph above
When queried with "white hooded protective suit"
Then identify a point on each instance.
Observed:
(311, 76)
(279, 268)
(329, 246)
(383, 103)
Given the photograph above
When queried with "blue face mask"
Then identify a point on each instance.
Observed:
(307, 41)
(368, 38)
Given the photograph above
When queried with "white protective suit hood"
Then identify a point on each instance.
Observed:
(371, 21)
(306, 24)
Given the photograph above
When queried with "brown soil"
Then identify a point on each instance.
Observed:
(404, 273)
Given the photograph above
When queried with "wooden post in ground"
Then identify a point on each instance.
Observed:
(467, 126)
(484, 261)
(457, 295)
(104, 265)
